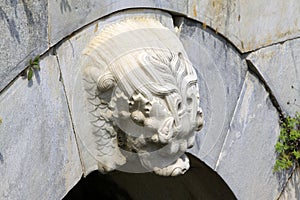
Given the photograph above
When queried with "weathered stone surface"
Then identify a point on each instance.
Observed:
(38, 153)
(67, 16)
(279, 65)
(23, 30)
(42, 125)
(248, 155)
(249, 26)
(221, 72)
(25, 24)
(24, 27)
(292, 189)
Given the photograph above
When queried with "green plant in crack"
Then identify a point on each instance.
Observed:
(33, 66)
(288, 144)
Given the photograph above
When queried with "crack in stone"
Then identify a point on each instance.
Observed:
(254, 70)
(270, 45)
(286, 183)
(69, 108)
(20, 73)
(230, 125)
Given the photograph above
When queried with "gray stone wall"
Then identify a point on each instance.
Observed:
(248, 64)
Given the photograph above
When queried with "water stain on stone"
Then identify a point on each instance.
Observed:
(1, 158)
(13, 4)
(28, 13)
(11, 25)
(195, 10)
(96, 28)
(64, 6)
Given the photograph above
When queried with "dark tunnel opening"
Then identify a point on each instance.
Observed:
(199, 182)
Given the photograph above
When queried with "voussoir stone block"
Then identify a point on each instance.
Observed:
(66, 16)
(23, 30)
(248, 155)
(249, 26)
(221, 73)
(279, 66)
(38, 152)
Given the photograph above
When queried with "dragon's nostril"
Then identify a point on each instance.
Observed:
(199, 120)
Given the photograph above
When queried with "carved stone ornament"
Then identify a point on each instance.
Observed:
(141, 96)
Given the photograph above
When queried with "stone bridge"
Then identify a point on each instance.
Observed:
(247, 58)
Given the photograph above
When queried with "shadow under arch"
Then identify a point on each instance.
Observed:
(199, 182)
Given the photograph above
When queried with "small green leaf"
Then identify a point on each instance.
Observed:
(37, 67)
(37, 59)
(296, 154)
(30, 73)
(279, 147)
(35, 63)
(289, 164)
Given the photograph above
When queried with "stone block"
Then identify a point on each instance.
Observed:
(279, 66)
(67, 16)
(38, 152)
(249, 26)
(23, 30)
(248, 155)
(221, 72)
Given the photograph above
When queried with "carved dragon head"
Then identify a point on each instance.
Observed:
(143, 96)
